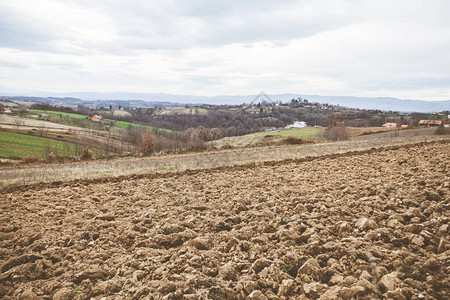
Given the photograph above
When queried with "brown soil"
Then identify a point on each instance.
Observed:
(360, 225)
(356, 131)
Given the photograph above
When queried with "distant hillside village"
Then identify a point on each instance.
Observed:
(262, 114)
(116, 128)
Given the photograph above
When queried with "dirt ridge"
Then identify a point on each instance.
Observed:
(56, 184)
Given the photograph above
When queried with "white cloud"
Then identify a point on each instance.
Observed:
(362, 48)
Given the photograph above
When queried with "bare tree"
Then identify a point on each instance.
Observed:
(337, 133)
(18, 122)
(147, 144)
(41, 129)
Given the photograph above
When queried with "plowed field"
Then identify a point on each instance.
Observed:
(371, 224)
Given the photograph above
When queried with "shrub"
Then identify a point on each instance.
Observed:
(29, 160)
(198, 147)
(52, 157)
(87, 154)
(295, 141)
(227, 146)
(167, 144)
(441, 130)
(147, 143)
(337, 133)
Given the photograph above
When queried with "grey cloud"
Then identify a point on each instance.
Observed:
(176, 24)
(321, 45)
(30, 32)
(202, 80)
(65, 66)
(213, 23)
(15, 65)
(16, 32)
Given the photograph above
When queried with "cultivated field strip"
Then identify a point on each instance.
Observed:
(373, 224)
(24, 175)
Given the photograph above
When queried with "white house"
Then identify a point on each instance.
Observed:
(298, 124)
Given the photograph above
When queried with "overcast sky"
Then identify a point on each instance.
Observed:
(397, 48)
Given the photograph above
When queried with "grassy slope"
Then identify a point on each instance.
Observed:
(57, 114)
(314, 133)
(307, 133)
(121, 113)
(124, 125)
(18, 145)
(9, 103)
(181, 110)
(22, 145)
(398, 133)
(120, 124)
(356, 131)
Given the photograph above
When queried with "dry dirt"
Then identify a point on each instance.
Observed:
(35, 173)
(357, 131)
(356, 225)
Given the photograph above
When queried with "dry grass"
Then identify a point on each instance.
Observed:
(31, 123)
(252, 139)
(168, 163)
(406, 133)
(357, 131)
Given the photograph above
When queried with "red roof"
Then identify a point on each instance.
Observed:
(390, 125)
(430, 122)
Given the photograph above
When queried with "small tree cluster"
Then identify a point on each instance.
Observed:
(147, 143)
(337, 133)
(442, 130)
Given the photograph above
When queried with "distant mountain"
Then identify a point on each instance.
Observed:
(159, 99)
(73, 102)
(383, 103)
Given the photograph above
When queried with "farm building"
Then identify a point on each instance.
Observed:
(7, 111)
(297, 124)
(404, 126)
(394, 125)
(96, 118)
(430, 122)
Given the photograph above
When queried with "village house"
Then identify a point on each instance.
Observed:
(297, 124)
(43, 116)
(7, 110)
(430, 123)
(96, 118)
(393, 125)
